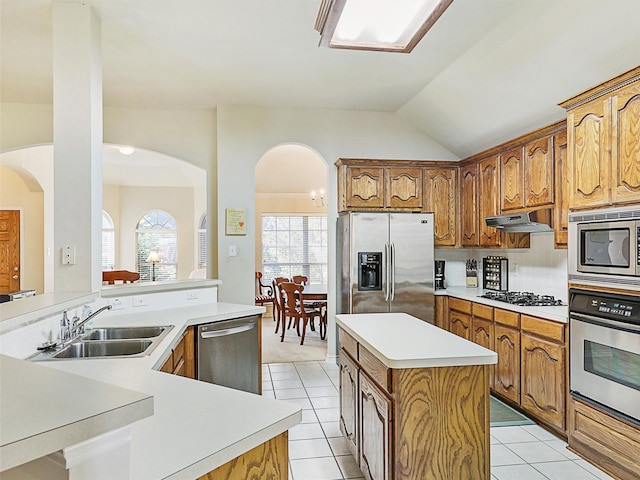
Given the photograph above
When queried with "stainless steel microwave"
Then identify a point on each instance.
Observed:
(604, 246)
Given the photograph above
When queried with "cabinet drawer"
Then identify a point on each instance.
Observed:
(482, 311)
(543, 328)
(463, 306)
(348, 343)
(506, 317)
(374, 368)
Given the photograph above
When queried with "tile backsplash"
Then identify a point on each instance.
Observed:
(539, 269)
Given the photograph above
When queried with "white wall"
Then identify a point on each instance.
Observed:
(541, 269)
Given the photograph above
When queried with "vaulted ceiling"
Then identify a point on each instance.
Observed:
(488, 71)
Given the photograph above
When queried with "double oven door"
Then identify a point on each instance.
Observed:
(604, 332)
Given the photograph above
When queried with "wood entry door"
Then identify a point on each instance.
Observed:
(9, 251)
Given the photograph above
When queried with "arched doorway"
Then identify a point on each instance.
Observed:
(291, 235)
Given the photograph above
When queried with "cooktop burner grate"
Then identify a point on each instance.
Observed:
(523, 298)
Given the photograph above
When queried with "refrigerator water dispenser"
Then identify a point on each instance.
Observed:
(369, 271)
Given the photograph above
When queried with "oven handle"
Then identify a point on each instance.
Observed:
(604, 322)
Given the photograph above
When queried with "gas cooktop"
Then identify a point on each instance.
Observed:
(523, 298)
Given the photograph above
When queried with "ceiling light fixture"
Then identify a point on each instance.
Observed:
(384, 25)
(124, 150)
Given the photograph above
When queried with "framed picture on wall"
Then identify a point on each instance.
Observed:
(235, 221)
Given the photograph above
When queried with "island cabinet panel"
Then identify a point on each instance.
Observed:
(440, 197)
(489, 200)
(438, 436)
(539, 172)
(349, 402)
(561, 204)
(625, 144)
(403, 187)
(269, 460)
(426, 423)
(469, 206)
(511, 179)
(375, 431)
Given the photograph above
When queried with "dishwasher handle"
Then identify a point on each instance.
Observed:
(223, 332)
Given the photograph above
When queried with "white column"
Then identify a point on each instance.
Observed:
(77, 145)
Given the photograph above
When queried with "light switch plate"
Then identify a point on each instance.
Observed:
(233, 250)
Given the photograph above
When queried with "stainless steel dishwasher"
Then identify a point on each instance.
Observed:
(228, 353)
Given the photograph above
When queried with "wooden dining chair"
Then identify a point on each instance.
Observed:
(264, 294)
(300, 279)
(120, 276)
(277, 301)
(296, 310)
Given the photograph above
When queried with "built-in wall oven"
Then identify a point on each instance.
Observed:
(604, 349)
(604, 247)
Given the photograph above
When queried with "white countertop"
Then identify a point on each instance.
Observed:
(400, 340)
(557, 313)
(196, 426)
(44, 410)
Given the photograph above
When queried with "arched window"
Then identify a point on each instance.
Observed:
(202, 242)
(108, 242)
(157, 247)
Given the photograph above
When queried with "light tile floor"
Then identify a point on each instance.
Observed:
(317, 450)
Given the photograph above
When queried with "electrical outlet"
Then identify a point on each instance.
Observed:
(139, 301)
(192, 295)
(116, 304)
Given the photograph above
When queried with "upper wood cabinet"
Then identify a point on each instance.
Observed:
(441, 191)
(488, 191)
(561, 204)
(403, 188)
(511, 179)
(469, 205)
(539, 172)
(603, 127)
(403, 185)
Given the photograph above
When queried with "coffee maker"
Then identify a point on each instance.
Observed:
(439, 274)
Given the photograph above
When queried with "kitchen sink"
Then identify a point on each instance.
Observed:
(94, 349)
(123, 333)
(109, 342)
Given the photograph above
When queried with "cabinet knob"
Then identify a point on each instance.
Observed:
(15, 269)
(15, 277)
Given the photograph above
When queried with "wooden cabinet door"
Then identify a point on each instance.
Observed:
(441, 312)
(489, 198)
(561, 213)
(468, 205)
(365, 187)
(375, 431)
(483, 334)
(539, 172)
(349, 402)
(543, 380)
(440, 193)
(512, 179)
(625, 144)
(403, 187)
(460, 324)
(507, 371)
(589, 160)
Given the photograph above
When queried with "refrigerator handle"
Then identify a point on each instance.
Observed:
(387, 264)
(392, 274)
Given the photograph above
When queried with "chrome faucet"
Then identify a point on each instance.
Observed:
(76, 329)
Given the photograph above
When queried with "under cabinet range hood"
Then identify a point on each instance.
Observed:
(523, 222)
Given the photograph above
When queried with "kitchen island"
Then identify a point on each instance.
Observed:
(196, 427)
(414, 399)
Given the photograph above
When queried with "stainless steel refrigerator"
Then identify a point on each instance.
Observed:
(385, 263)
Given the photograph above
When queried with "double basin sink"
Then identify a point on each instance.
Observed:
(110, 342)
